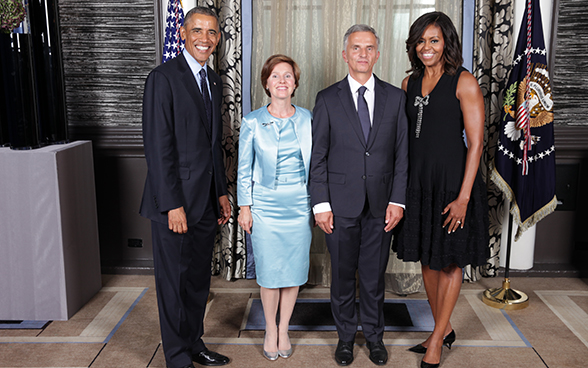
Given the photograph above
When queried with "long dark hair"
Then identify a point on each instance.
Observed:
(451, 53)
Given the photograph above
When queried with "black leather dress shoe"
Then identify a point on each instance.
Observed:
(210, 358)
(344, 353)
(378, 352)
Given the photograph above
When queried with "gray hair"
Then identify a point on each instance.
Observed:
(360, 28)
(204, 11)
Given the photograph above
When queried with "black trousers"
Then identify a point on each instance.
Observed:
(359, 245)
(182, 278)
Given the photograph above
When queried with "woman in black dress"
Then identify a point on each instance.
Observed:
(446, 221)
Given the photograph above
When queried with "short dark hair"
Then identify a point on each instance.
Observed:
(360, 28)
(204, 11)
(451, 53)
(269, 66)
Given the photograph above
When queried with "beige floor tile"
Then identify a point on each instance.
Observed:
(48, 355)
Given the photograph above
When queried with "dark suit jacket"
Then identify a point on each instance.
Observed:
(184, 155)
(344, 170)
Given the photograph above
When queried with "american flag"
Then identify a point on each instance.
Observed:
(524, 165)
(173, 44)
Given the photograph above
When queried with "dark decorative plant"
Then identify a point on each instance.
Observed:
(12, 13)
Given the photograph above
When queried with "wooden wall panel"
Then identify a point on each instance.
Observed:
(570, 76)
(109, 47)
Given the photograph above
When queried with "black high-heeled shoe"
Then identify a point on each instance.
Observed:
(447, 341)
(432, 365)
(429, 365)
(419, 349)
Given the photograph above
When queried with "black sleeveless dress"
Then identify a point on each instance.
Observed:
(437, 166)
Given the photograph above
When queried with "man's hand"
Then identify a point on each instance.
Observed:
(394, 214)
(225, 209)
(325, 221)
(245, 219)
(176, 220)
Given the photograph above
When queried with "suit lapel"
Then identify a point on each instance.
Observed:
(379, 106)
(349, 108)
(194, 92)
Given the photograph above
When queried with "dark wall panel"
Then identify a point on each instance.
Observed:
(108, 50)
(125, 237)
(570, 94)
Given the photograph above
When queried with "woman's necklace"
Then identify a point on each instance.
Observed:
(421, 102)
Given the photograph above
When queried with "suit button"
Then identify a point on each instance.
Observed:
(210, 173)
(367, 154)
(363, 177)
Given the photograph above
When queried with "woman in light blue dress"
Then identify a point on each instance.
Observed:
(274, 158)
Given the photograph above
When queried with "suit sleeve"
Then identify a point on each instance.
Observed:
(245, 166)
(400, 179)
(319, 186)
(220, 176)
(160, 144)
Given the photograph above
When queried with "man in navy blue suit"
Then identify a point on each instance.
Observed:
(358, 178)
(185, 193)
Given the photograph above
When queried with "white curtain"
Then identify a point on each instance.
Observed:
(311, 32)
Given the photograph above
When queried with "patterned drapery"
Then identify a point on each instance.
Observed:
(229, 258)
(492, 63)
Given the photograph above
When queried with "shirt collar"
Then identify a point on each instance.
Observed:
(354, 85)
(192, 63)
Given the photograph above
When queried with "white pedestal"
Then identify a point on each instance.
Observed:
(522, 252)
(49, 252)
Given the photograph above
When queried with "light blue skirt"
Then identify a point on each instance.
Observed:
(281, 232)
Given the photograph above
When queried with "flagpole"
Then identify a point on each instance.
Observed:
(504, 297)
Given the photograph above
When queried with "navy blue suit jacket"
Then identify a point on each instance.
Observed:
(344, 169)
(183, 151)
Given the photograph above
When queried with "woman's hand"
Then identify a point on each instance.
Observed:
(245, 219)
(457, 212)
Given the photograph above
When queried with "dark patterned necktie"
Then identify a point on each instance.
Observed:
(206, 96)
(364, 113)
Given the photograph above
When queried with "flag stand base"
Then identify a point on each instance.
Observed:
(505, 298)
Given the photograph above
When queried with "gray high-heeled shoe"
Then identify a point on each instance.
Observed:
(270, 356)
(285, 353)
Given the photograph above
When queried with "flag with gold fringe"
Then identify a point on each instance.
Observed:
(173, 43)
(524, 164)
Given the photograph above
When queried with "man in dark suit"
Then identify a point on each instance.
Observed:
(185, 193)
(358, 176)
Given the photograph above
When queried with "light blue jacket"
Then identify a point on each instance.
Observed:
(258, 149)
